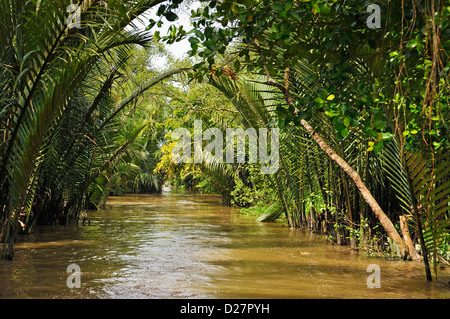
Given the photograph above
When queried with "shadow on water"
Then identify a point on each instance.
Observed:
(183, 245)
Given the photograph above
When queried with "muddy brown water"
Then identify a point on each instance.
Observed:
(180, 245)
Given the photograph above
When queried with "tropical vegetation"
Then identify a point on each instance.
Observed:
(362, 114)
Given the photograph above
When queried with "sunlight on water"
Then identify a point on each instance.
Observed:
(189, 246)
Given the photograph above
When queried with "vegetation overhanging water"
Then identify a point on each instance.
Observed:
(183, 245)
(354, 99)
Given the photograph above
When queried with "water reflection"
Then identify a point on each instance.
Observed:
(189, 246)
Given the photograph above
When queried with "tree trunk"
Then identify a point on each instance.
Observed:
(407, 238)
(381, 216)
(349, 214)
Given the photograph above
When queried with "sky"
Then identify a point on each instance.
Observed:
(178, 49)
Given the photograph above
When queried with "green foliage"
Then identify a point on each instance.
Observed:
(255, 210)
(82, 115)
(355, 65)
(363, 89)
(60, 108)
(423, 189)
(271, 213)
(250, 187)
(242, 195)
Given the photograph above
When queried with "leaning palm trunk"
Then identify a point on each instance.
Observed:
(384, 220)
(256, 119)
(381, 216)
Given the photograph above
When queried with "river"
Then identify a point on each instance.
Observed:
(183, 245)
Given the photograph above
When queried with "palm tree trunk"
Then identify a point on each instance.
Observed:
(381, 216)
(407, 237)
(418, 222)
(349, 211)
(370, 200)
